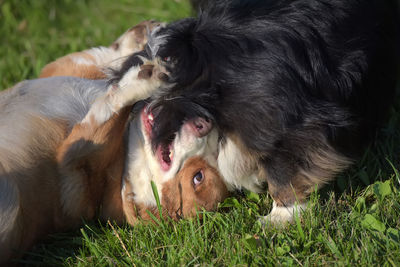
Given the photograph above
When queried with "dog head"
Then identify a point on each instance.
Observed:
(183, 170)
(185, 164)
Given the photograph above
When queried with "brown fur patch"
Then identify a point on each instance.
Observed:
(65, 66)
(85, 155)
(324, 164)
(129, 206)
(181, 197)
(111, 203)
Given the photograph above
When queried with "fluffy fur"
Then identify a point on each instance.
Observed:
(79, 150)
(62, 162)
(297, 87)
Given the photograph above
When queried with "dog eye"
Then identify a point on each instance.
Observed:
(166, 59)
(198, 178)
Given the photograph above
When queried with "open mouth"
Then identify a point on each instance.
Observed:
(164, 152)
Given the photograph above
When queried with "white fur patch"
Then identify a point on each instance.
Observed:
(142, 166)
(132, 89)
(129, 90)
(100, 111)
(281, 215)
(187, 145)
(82, 61)
(104, 56)
(236, 168)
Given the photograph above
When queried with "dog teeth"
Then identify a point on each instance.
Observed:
(171, 154)
(150, 117)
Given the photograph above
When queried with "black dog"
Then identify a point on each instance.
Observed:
(296, 87)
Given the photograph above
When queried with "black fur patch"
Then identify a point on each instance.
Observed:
(131, 61)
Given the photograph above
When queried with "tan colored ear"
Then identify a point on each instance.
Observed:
(128, 205)
(172, 198)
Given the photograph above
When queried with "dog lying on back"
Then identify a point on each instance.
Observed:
(79, 149)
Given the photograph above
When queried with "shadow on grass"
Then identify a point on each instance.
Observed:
(54, 250)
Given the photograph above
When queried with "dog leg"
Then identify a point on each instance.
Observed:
(281, 214)
(95, 143)
(137, 84)
(288, 200)
(291, 179)
(105, 121)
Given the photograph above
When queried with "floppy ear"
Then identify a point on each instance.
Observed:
(172, 199)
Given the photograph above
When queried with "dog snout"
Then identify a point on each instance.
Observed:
(200, 126)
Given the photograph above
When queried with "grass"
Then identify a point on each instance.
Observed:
(353, 221)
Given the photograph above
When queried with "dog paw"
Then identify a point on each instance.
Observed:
(280, 215)
(139, 83)
(149, 71)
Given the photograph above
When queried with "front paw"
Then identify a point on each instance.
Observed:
(157, 73)
(139, 83)
(281, 215)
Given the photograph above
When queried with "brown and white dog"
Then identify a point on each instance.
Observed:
(71, 149)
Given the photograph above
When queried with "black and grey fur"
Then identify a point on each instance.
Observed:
(300, 85)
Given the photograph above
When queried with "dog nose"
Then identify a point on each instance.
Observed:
(201, 126)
